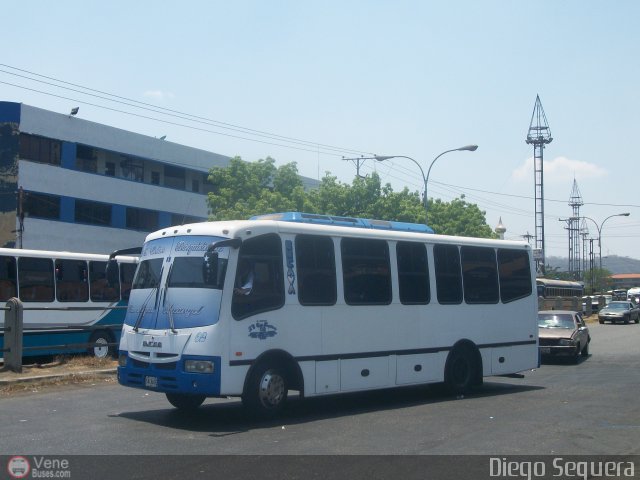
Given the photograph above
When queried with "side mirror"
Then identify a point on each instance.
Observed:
(112, 273)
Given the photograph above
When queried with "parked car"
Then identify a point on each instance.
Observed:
(563, 332)
(619, 311)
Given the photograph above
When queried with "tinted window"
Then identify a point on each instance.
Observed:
(42, 205)
(127, 272)
(7, 278)
(260, 275)
(98, 286)
(479, 275)
(72, 281)
(515, 274)
(413, 273)
(188, 272)
(94, 213)
(366, 271)
(148, 275)
(316, 266)
(36, 279)
(446, 260)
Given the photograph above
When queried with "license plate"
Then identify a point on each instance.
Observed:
(151, 382)
(543, 350)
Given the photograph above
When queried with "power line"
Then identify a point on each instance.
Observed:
(317, 146)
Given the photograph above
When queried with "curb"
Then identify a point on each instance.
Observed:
(56, 376)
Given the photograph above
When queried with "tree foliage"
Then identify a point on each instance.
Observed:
(243, 189)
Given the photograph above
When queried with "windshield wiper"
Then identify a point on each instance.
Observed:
(146, 302)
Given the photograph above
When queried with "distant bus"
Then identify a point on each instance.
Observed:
(323, 305)
(549, 288)
(47, 280)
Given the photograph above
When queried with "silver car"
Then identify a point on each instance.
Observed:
(619, 311)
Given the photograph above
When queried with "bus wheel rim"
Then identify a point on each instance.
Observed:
(101, 349)
(272, 389)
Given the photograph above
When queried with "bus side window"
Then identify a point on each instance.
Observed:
(7, 278)
(264, 255)
(515, 275)
(100, 291)
(413, 273)
(316, 267)
(366, 271)
(479, 275)
(71, 281)
(35, 279)
(446, 259)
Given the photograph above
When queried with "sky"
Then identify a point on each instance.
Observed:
(314, 82)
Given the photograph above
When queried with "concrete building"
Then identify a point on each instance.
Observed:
(71, 184)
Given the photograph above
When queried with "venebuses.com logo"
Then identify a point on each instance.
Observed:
(18, 467)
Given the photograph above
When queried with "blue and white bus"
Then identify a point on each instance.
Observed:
(52, 285)
(332, 305)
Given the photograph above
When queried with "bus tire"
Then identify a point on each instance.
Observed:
(266, 390)
(461, 370)
(185, 402)
(102, 349)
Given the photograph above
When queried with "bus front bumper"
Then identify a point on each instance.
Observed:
(170, 377)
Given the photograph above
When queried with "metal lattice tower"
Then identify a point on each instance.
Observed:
(539, 135)
(575, 202)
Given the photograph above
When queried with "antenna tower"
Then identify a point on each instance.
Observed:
(539, 135)
(575, 202)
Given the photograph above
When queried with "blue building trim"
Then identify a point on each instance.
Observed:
(119, 216)
(68, 155)
(67, 209)
(10, 112)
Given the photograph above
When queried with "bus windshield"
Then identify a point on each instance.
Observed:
(148, 274)
(188, 272)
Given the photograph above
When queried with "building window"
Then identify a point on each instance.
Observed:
(41, 205)
(178, 219)
(86, 159)
(39, 149)
(155, 178)
(94, 213)
(174, 177)
(141, 219)
(315, 262)
(366, 271)
(195, 186)
(132, 169)
(110, 169)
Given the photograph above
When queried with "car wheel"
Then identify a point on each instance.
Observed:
(185, 402)
(600, 321)
(585, 350)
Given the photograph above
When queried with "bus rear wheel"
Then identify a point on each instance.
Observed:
(266, 391)
(184, 401)
(461, 373)
(100, 348)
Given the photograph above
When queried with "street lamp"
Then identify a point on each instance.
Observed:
(599, 227)
(425, 179)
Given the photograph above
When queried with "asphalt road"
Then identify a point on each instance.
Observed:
(560, 409)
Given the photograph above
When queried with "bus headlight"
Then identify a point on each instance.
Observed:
(122, 360)
(198, 366)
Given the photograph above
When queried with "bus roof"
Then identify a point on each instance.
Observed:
(265, 224)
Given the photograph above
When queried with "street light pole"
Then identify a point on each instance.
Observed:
(599, 228)
(425, 179)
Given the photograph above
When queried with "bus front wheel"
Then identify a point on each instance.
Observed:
(266, 391)
(184, 401)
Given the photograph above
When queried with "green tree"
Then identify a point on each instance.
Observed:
(243, 189)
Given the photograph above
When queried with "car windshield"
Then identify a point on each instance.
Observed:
(618, 306)
(555, 320)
